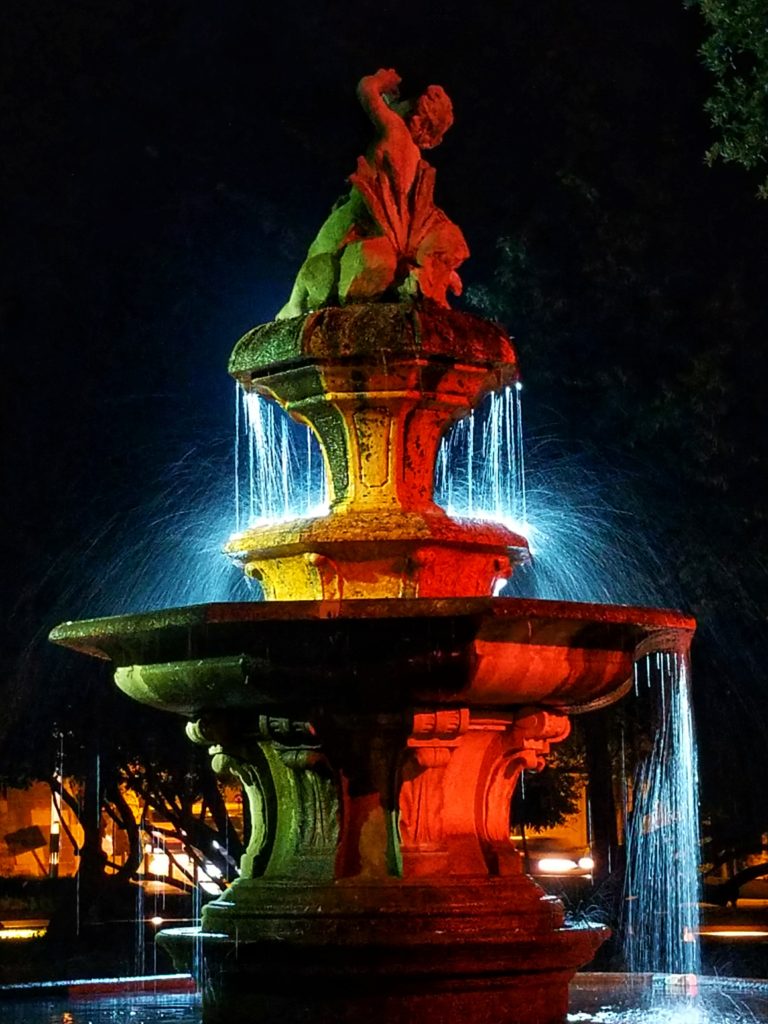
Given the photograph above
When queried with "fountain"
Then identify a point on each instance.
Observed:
(380, 705)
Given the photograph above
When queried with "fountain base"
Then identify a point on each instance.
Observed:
(379, 744)
(488, 949)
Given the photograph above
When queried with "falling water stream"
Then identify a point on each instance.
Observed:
(279, 470)
(139, 954)
(480, 472)
(661, 915)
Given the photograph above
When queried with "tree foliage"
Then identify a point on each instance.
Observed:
(548, 798)
(736, 52)
(106, 747)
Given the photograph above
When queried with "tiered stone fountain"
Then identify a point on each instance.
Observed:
(380, 705)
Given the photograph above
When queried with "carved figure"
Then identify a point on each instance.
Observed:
(386, 239)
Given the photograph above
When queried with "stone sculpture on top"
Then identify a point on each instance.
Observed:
(386, 240)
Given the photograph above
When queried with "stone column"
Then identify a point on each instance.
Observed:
(379, 880)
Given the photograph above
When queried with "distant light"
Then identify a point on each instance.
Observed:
(556, 865)
(518, 385)
(211, 888)
(586, 863)
(685, 984)
(735, 933)
(159, 864)
(184, 862)
(211, 870)
(157, 921)
(9, 934)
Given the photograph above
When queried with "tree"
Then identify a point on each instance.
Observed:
(736, 52)
(111, 746)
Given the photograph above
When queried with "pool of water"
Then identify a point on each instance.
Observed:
(595, 999)
(143, 1008)
(666, 999)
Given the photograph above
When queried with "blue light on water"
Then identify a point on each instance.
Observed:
(480, 470)
(661, 897)
(279, 469)
(168, 553)
(594, 999)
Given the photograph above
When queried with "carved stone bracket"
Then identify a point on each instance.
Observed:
(524, 745)
(435, 735)
(292, 793)
(457, 780)
(422, 795)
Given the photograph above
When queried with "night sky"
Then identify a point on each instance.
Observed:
(166, 165)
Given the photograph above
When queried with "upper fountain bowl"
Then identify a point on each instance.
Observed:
(379, 385)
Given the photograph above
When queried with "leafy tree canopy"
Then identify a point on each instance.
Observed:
(736, 52)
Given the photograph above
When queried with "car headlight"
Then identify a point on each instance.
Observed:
(556, 865)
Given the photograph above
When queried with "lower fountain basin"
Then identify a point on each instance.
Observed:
(378, 654)
(402, 951)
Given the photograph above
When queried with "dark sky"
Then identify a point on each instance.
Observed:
(166, 164)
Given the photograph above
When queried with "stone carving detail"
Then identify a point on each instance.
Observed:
(226, 765)
(291, 790)
(456, 785)
(423, 795)
(434, 736)
(526, 743)
(386, 239)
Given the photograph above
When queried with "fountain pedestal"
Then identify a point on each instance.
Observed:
(485, 950)
(380, 882)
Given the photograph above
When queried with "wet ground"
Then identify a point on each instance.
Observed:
(595, 999)
(734, 950)
(666, 999)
